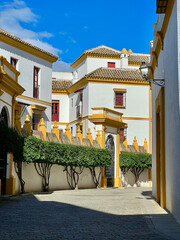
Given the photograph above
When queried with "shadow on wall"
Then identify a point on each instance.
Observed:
(27, 218)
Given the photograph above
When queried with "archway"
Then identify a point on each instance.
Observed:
(109, 171)
(3, 155)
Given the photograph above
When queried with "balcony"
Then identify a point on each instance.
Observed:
(161, 6)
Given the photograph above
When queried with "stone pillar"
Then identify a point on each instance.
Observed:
(99, 138)
(89, 136)
(79, 134)
(117, 180)
(135, 143)
(42, 128)
(68, 133)
(27, 125)
(103, 178)
(55, 130)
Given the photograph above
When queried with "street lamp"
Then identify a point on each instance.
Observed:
(144, 69)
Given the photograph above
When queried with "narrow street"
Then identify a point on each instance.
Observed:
(86, 214)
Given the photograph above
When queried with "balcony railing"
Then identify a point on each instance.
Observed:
(161, 6)
(36, 92)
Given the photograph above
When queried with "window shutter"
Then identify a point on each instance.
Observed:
(121, 135)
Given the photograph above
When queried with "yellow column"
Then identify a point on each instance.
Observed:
(79, 134)
(135, 144)
(145, 144)
(11, 181)
(42, 128)
(89, 136)
(125, 143)
(68, 133)
(27, 125)
(103, 178)
(117, 180)
(55, 130)
(99, 138)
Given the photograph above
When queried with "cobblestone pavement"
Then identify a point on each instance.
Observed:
(82, 214)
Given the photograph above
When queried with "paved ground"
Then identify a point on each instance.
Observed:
(86, 214)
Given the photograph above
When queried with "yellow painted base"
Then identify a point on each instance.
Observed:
(103, 182)
(10, 186)
(117, 182)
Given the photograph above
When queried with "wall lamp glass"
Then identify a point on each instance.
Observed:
(144, 69)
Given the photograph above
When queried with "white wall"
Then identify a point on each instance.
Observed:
(95, 63)
(171, 61)
(58, 181)
(62, 75)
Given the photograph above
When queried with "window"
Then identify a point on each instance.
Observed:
(111, 65)
(79, 107)
(35, 121)
(35, 83)
(14, 62)
(123, 133)
(120, 98)
(72, 130)
(55, 111)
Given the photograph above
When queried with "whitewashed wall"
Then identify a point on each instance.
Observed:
(58, 181)
(62, 75)
(171, 61)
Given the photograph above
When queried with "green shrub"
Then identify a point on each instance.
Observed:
(36, 150)
(136, 163)
(139, 160)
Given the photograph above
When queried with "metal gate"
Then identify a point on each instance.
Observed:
(3, 156)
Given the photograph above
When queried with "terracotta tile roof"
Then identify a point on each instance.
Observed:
(138, 58)
(61, 84)
(116, 73)
(103, 50)
(2, 32)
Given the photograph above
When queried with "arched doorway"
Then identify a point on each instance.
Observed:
(3, 155)
(109, 171)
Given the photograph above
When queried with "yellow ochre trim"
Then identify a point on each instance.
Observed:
(5, 102)
(59, 123)
(35, 100)
(90, 55)
(37, 107)
(134, 64)
(136, 118)
(62, 92)
(119, 90)
(160, 150)
(117, 180)
(28, 49)
(150, 120)
(161, 36)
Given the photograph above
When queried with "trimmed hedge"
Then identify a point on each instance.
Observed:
(11, 141)
(36, 150)
(137, 160)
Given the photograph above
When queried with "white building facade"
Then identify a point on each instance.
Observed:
(165, 64)
(105, 78)
(106, 85)
(35, 67)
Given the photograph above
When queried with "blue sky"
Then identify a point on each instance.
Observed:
(67, 28)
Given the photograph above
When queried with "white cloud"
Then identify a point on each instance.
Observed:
(13, 14)
(62, 66)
